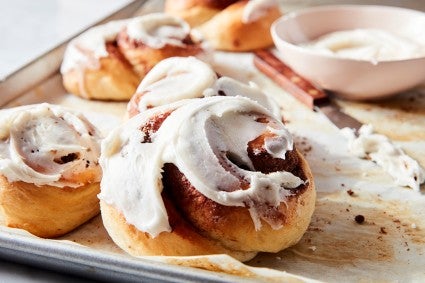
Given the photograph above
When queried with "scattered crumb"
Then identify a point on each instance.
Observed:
(350, 192)
(359, 219)
(383, 231)
(413, 226)
(342, 185)
(312, 248)
(278, 258)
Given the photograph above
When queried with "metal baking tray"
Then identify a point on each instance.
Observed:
(388, 247)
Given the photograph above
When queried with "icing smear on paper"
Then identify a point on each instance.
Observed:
(369, 145)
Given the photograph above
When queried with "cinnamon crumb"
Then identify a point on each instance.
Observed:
(359, 219)
(350, 192)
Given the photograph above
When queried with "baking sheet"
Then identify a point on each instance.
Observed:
(389, 246)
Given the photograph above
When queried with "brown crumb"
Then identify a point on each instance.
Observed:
(350, 192)
(359, 219)
(383, 231)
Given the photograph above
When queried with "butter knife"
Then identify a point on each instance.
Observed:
(300, 88)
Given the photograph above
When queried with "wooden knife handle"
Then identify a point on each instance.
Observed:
(290, 81)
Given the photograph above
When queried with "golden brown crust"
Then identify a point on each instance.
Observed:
(195, 12)
(114, 79)
(116, 76)
(47, 211)
(182, 241)
(201, 226)
(226, 31)
(233, 226)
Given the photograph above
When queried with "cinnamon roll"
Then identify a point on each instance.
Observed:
(205, 176)
(196, 12)
(107, 62)
(49, 170)
(230, 25)
(178, 78)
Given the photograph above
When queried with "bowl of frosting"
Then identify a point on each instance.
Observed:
(360, 52)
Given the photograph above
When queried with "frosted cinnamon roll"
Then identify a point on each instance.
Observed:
(230, 25)
(206, 176)
(171, 80)
(178, 78)
(108, 61)
(49, 170)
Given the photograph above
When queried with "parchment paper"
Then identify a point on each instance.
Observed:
(387, 247)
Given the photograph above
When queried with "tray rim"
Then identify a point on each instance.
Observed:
(49, 62)
(72, 258)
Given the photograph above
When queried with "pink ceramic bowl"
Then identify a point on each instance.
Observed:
(349, 78)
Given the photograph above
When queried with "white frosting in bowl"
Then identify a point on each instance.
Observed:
(198, 137)
(45, 144)
(367, 44)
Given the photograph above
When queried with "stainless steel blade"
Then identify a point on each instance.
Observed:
(334, 113)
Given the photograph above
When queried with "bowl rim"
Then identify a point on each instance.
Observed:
(293, 14)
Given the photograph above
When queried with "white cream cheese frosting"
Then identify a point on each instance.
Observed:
(158, 29)
(197, 137)
(46, 144)
(405, 170)
(87, 48)
(178, 78)
(255, 9)
(373, 45)
(174, 79)
(230, 87)
(154, 30)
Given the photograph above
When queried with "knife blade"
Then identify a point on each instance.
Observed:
(300, 88)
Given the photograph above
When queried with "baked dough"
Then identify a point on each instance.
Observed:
(49, 171)
(196, 12)
(227, 31)
(207, 176)
(229, 25)
(107, 62)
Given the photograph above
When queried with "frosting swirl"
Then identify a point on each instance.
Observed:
(178, 78)
(173, 79)
(47, 145)
(158, 29)
(154, 30)
(207, 140)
